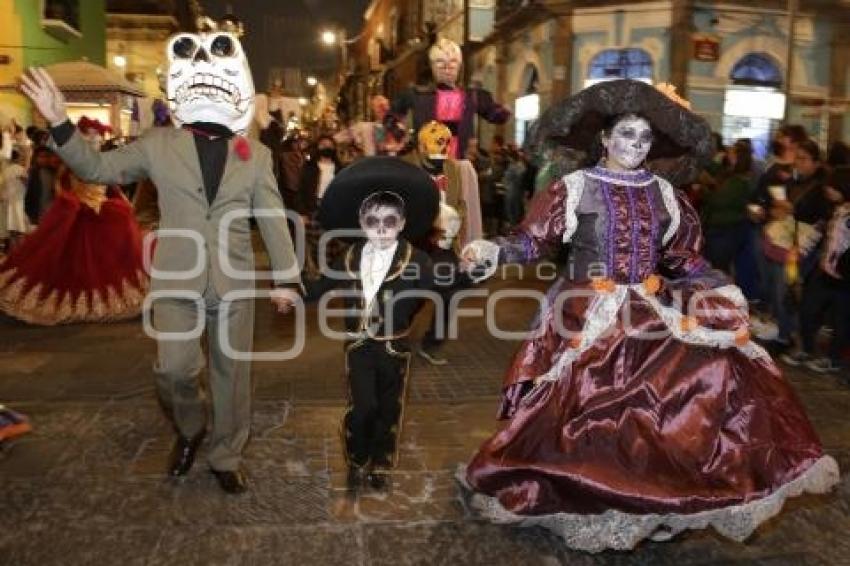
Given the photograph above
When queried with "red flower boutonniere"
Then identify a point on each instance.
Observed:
(242, 148)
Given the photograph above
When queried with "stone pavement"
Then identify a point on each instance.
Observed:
(86, 487)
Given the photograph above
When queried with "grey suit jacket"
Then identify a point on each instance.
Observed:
(198, 242)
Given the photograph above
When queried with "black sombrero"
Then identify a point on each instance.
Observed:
(341, 201)
(683, 140)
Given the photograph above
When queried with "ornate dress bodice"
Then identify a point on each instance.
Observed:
(622, 219)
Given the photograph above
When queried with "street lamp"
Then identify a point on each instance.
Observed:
(312, 81)
(329, 37)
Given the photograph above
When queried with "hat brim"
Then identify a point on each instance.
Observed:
(683, 141)
(341, 202)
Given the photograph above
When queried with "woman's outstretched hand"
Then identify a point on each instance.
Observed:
(39, 87)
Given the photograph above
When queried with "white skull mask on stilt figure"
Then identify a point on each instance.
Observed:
(209, 80)
(449, 223)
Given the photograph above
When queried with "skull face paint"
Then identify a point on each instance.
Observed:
(628, 144)
(382, 226)
(209, 80)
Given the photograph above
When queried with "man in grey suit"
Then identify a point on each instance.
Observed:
(210, 182)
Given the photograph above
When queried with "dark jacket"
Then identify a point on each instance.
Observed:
(390, 319)
(307, 200)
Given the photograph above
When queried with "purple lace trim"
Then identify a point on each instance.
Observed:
(653, 231)
(640, 176)
(634, 218)
(609, 245)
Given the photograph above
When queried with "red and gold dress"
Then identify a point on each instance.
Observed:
(83, 264)
(639, 408)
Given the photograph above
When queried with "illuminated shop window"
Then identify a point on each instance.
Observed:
(756, 69)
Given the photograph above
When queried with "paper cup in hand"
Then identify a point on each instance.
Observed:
(777, 192)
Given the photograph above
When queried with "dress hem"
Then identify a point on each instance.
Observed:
(616, 530)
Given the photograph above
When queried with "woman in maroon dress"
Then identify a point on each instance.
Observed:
(639, 408)
(84, 262)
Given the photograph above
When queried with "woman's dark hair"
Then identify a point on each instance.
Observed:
(796, 132)
(717, 139)
(838, 154)
(327, 137)
(839, 179)
(811, 148)
(743, 157)
(380, 199)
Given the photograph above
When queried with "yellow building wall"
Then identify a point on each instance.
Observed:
(143, 58)
(12, 103)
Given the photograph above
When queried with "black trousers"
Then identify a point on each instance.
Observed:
(377, 379)
(439, 327)
(825, 300)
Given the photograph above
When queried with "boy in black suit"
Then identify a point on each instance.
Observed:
(385, 279)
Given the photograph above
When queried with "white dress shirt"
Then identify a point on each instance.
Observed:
(326, 175)
(374, 265)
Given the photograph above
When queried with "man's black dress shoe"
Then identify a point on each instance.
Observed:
(231, 481)
(183, 454)
(354, 479)
(378, 480)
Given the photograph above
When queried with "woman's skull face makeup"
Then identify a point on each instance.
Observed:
(382, 226)
(629, 143)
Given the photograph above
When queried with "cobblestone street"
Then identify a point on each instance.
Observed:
(87, 486)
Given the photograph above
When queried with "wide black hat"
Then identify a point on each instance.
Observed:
(682, 143)
(351, 186)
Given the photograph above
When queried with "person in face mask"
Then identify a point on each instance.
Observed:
(316, 175)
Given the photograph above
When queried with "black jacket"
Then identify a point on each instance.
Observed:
(390, 319)
(307, 200)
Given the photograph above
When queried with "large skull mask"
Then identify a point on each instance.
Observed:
(209, 80)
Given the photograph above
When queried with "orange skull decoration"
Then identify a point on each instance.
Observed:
(434, 139)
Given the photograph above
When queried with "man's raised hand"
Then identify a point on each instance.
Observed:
(39, 87)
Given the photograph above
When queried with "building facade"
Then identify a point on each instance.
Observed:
(729, 58)
(136, 32)
(43, 32)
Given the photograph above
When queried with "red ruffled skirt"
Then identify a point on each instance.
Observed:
(640, 426)
(78, 266)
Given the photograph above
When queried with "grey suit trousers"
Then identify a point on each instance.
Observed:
(180, 363)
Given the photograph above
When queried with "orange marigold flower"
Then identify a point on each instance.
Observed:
(652, 284)
(603, 285)
(575, 341)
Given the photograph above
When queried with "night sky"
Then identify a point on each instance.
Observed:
(285, 33)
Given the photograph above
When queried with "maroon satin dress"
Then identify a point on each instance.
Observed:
(628, 419)
(83, 263)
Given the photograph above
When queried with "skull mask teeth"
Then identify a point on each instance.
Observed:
(209, 80)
